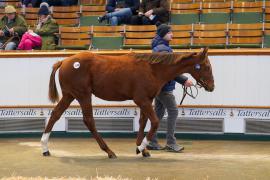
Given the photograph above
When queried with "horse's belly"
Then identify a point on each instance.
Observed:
(112, 97)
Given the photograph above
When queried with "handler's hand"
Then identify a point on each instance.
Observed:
(188, 83)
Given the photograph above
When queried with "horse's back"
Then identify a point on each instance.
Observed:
(86, 64)
(108, 77)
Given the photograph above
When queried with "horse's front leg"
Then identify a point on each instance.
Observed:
(90, 123)
(147, 109)
(140, 136)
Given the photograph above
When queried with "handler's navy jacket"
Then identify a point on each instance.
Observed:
(161, 45)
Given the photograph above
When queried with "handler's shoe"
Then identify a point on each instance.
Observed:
(174, 148)
(154, 146)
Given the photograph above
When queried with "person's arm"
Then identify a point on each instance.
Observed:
(110, 7)
(181, 79)
(1, 28)
(48, 30)
(163, 8)
(161, 48)
(21, 26)
(2, 24)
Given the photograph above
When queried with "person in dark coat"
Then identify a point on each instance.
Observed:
(152, 12)
(36, 3)
(165, 100)
(120, 11)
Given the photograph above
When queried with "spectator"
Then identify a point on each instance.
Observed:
(151, 12)
(61, 2)
(165, 100)
(120, 11)
(52, 2)
(36, 3)
(12, 27)
(46, 29)
(31, 3)
(69, 2)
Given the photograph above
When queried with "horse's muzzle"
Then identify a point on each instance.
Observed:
(210, 89)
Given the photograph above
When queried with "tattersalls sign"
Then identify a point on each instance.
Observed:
(74, 112)
(207, 112)
(18, 112)
(254, 113)
(234, 118)
(226, 112)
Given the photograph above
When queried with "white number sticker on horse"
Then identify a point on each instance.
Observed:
(76, 65)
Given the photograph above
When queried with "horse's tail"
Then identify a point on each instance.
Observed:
(53, 93)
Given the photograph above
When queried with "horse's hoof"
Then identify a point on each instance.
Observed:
(47, 153)
(145, 153)
(138, 151)
(112, 156)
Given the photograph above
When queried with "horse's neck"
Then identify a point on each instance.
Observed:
(168, 72)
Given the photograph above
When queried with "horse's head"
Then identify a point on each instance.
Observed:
(201, 70)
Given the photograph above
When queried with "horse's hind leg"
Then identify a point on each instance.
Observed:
(56, 114)
(90, 123)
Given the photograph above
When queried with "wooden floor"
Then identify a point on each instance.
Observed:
(81, 157)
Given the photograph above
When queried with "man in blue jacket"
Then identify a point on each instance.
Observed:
(120, 11)
(166, 99)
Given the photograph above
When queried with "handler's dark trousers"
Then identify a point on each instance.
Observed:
(166, 100)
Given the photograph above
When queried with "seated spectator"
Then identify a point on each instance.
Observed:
(53, 2)
(151, 12)
(12, 27)
(120, 11)
(69, 2)
(36, 3)
(31, 3)
(46, 29)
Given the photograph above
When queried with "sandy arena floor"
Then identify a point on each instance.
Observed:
(81, 157)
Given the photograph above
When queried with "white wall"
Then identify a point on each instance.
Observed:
(239, 80)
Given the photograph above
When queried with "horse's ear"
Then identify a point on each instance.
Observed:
(203, 53)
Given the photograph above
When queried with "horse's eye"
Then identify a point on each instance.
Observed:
(197, 66)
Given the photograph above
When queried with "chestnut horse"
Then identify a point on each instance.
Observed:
(137, 77)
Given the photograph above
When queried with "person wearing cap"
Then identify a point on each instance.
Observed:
(165, 100)
(47, 27)
(12, 27)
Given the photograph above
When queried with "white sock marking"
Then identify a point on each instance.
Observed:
(143, 145)
(44, 141)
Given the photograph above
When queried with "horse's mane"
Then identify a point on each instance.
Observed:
(158, 58)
